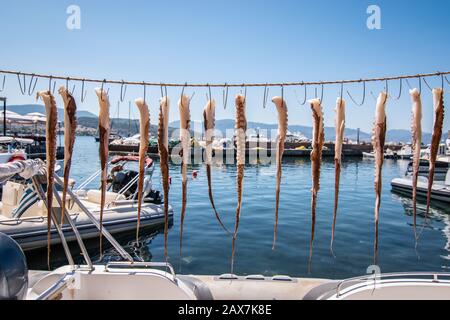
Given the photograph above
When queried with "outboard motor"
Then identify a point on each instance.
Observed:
(13, 270)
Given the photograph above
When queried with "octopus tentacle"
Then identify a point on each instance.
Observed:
(209, 125)
(316, 162)
(185, 138)
(50, 129)
(104, 127)
(340, 129)
(143, 147)
(438, 97)
(70, 127)
(163, 146)
(281, 106)
(241, 129)
(378, 141)
(416, 129)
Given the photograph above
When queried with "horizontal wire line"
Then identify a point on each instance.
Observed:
(224, 85)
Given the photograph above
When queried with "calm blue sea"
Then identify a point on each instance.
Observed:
(207, 249)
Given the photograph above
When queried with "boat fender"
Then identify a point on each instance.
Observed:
(13, 270)
(16, 157)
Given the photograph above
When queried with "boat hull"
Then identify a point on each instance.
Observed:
(31, 234)
(404, 186)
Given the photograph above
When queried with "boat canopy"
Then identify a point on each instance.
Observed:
(25, 168)
(8, 140)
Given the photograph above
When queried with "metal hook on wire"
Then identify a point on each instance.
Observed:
(122, 91)
(67, 86)
(245, 91)
(182, 92)
(305, 96)
(101, 89)
(165, 91)
(266, 95)
(50, 83)
(321, 94)
(22, 88)
(210, 94)
(225, 96)
(420, 85)
(363, 98)
(3, 85)
(31, 87)
(400, 90)
(83, 93)
(145, 92)
(429, 87)
(446, 79)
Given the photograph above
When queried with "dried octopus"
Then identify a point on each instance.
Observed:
(209, 115)
(185, 138)
(281, 106)
(378, 142)
(339, 123)
(50, 130)
(163, 146)
(104, 127)
(416, 129)
(143, 147)
(241, 129)
(438, 98)
(70, 127)
(316, 162)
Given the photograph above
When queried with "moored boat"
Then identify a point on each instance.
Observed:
(441, 187)
(23, 214)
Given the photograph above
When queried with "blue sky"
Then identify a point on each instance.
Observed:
(231, 41)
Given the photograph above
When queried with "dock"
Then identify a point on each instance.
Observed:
(292, 150)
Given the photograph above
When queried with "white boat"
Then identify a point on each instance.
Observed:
(158, 281)
(440, 189)
(389, 154)
(23, 213)
(405, 153)
(132, 280)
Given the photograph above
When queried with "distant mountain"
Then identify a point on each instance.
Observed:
(405, 136)
(395, 135)
(121, 126)
(30, 108)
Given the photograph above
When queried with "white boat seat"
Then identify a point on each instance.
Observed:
(116, 286)
(95, 196)
(12, 192)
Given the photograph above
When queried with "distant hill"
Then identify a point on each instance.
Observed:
(405, 136)
(395, 135)
(30, 108)
(121, 126)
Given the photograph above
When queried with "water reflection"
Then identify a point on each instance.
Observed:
(438, 218)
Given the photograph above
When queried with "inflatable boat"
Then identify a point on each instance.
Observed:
(23, 213)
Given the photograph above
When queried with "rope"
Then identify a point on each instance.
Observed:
(224, 85)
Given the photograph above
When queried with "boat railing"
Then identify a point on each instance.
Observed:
(56, 289)
(114, 266)
(96, 223)
(372, 280)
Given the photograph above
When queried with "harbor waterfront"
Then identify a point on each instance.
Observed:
(207, 248)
